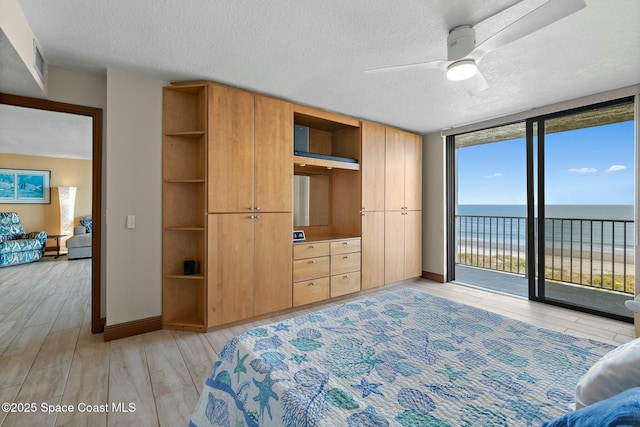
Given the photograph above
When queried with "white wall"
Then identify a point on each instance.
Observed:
(17, 29)
(78, 88)
(433, 204)
(133, 187)
(91, 91)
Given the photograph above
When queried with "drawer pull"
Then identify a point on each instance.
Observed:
(345, 257)
(313, 261)
(312, 247)
(312, 284)
(345, 243)
(345, 277)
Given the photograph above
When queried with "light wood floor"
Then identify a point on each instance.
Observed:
(48, 354)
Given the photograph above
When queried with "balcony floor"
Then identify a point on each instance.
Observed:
(517, 285)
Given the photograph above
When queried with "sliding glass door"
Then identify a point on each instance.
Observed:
(583, 184)
(544, 208)
(490, 209)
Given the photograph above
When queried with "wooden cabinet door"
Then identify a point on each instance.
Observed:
(413, 244)
(394, 170)
(413, 172)
(372, 250)
(372, 166)
(273, 155)
(394, 246)
(273, 268)
(230, 149)
(230, 267)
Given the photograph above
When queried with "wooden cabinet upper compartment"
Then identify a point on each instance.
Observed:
(403, 171)
(273, 155)
(373, 173)
(231, 135)
(250, 152)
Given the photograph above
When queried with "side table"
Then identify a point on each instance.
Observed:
(55, 237)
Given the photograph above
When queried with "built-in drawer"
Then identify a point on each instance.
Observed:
(310, 268)
(342, 284)
(310, 291)
(345, 263)
(345, 246)
(310, 250)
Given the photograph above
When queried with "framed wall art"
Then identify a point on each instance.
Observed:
(25, 186)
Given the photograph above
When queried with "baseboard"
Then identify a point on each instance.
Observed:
(135, 327)
(433, 276)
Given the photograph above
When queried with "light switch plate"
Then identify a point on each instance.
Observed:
(131, 221)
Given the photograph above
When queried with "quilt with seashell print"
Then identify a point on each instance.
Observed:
(402, 358)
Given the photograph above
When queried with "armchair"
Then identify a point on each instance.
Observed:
(79, 246)
(16, 246)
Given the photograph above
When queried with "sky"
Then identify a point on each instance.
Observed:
(588, 166)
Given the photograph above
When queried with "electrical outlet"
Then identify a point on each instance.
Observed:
(131, 221)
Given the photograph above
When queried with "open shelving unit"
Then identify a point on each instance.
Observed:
(184, 154)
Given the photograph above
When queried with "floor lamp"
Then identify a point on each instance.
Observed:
(67, 197)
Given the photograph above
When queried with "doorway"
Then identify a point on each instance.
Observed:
(97, 321)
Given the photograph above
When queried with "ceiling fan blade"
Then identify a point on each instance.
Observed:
(547, 14)
(440, 64)
(475, 84)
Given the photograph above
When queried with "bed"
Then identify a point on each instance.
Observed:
(402, 358)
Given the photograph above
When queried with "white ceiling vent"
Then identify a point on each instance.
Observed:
(39, 63)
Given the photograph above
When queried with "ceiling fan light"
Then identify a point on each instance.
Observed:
(462, 70)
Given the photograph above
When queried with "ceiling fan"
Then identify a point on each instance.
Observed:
(463, 55)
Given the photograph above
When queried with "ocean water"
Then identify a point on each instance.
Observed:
(609, 228)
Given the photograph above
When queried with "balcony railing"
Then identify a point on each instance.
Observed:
(597, 253)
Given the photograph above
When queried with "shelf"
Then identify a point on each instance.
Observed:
(184, 228)
(329, 164)
(184, 181)
(186, 134)
(182, 276)
(192, 324)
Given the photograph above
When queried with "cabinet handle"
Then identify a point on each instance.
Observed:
(250, 208)
(345, 257)
(313, 261)
(345, 243)
(345, 277)
(252, 217)
(312, 246)
(312, 284)
(257, 208)
(258, 217)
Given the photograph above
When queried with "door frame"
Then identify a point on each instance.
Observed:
(97, 323)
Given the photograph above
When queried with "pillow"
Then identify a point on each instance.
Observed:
(617, 371)
(87, 222)
(620, 410)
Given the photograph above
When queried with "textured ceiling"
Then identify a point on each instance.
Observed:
(314, 52)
